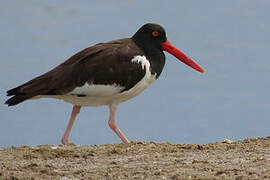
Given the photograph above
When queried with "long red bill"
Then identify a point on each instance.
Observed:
(167, 46)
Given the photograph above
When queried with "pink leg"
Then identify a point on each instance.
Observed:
(113, 125)
(76, 109)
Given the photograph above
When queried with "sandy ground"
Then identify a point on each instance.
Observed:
(247, 159)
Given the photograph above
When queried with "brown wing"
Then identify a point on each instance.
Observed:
(105, 63)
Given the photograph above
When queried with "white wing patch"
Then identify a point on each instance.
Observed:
(97, 90)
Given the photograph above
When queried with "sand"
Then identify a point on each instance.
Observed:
(247, 159)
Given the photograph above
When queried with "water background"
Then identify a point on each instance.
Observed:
(231, 39)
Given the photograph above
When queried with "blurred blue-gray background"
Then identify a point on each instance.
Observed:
(230, 39)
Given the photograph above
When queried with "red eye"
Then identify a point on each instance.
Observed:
(155, 33)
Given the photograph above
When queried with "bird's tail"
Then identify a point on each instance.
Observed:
(34, 87)
(19, 95)
(17, 99)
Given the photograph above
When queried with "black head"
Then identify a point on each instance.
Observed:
(150, 36)
(153, 41)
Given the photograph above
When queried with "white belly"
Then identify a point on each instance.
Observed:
(98, 95)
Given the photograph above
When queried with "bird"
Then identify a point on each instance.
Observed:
(105, 74)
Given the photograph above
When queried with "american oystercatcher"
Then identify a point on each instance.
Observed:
(104, 74)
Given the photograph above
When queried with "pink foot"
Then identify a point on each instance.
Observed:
(64, 141)
(75, 111)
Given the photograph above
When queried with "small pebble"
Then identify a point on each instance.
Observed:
(54, 147)
(227, 141)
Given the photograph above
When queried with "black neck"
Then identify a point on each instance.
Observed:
(153, 53)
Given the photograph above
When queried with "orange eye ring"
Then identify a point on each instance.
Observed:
(155, 33)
